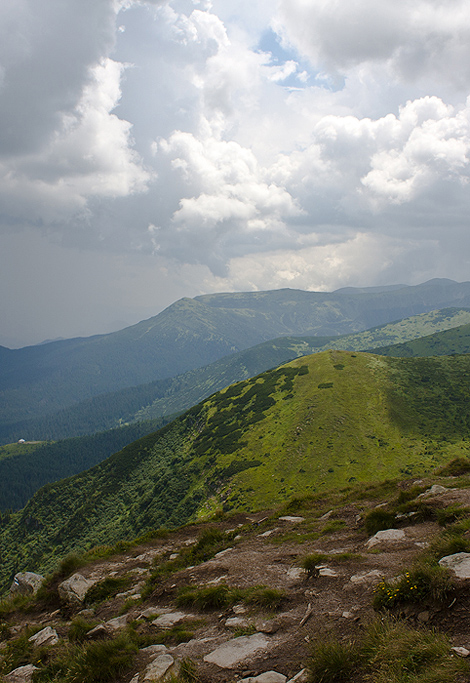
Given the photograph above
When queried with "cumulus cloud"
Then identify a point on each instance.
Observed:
(89, 155)
(60, 142)
(413, 39)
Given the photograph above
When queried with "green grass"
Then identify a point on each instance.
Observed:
(390, 651)
(207, 598)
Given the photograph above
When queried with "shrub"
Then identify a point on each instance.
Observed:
(208, 598)
(334, 661)
(79, 628)
(455, 468)
(106, 588)
(424, 581)
(309, 563)
(378, 520)
(389, 652)
(97, 662)
(451, 514)
(261, 596)
(69, 566)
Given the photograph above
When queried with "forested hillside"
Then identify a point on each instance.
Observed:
(24, 468)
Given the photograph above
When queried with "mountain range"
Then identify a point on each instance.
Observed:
(38, 385)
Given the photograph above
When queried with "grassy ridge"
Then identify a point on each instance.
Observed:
(453, 341)
(321, 421)
(173, 395)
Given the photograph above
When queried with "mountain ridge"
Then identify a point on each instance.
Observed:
(321, 421)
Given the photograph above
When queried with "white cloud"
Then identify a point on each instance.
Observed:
(413, 39)
(88, 156)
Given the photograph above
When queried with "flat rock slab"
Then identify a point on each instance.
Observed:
(267, 677)
(387, 536)
(117, 623)
(459, 564)
(151, 612)
(158, 668)
(236, 650)
(48, 636)
(294, 520)
(23, 674)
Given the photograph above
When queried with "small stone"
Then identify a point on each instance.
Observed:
(74, 589)
(169, 620)
(367, 578)
(435, 490)
(267, 677)
(326, 571)
(268, 533)
(461, 651)
(327, 515)
(271, 626)
(48, 636)
(154, 650)
(173, 556)
(294, 573)
(239, 609)
(423, 616)
(135, 679)
(236, 622)
(98, 632)
(293, 520)
(386, 536)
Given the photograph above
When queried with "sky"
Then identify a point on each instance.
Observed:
(155, 149)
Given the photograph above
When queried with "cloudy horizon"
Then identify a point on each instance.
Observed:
(154, 149)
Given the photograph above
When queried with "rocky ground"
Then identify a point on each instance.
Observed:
(246, 639)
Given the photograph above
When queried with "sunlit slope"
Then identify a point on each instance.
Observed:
(350, 417)
(451, 341)
(318, 422)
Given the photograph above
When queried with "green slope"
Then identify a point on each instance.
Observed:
(191, 333)
(170, 396)
(454, 341)
(318, 422)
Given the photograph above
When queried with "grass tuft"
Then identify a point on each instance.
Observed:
(389, 652)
